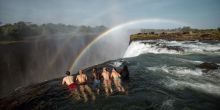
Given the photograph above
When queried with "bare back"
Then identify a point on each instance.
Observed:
(81, 78)
(115, 74)
(68, 80)
(106, 75)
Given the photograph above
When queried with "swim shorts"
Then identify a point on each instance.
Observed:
(72, 86)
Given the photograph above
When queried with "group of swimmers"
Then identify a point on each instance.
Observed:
(82, 79)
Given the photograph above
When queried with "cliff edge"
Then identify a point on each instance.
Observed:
(178, 35)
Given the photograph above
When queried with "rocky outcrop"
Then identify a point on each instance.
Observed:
(178, 36)
(208, 66)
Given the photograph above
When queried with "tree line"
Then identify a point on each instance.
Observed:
(22, 30)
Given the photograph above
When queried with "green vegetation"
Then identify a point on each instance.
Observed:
(22, 31)
(185, 33)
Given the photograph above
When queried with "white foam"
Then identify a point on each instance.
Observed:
(141, 47)
(205, 87)
(190, 61)
(137, 48)
(167, 104)
(177, 71)
(117, 64)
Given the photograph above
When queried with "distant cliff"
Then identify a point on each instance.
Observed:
(179, 35)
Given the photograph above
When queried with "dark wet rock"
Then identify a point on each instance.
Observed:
(176, 48)
(208, 66)
(51, 95)
(149, 43)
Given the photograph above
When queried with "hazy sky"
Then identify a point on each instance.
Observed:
(199, 13)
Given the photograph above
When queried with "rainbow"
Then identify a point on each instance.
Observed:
(84, 50)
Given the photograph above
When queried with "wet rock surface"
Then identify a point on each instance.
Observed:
(208, 66)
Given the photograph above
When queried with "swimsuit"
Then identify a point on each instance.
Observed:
(83, 83)
(72, 86)
(117, 78)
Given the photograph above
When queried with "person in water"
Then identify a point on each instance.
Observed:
(96, 80)
(125, 73)
(106, 81)
(117, 80)
(69, 81)
(82, 81)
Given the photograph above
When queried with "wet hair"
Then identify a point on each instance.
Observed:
(114, 69)
(106, 69)
(94, 69)
(83, 71)
(67, 73)
(126, 66)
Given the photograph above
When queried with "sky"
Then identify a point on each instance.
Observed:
(198, 13)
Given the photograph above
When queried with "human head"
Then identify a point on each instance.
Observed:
(104, 68)
(113, 69)
(94, 70)
(67, 73)
(80, 71)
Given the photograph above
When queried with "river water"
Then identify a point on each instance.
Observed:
(163, 76)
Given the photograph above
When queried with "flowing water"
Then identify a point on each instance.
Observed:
(163, 76)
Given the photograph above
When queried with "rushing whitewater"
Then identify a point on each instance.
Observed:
(164, 75)
(188, 52)
(165, 47)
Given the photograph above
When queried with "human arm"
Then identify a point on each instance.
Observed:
(101, 77)
(111, 75)
(76, 79)
(63, 82)
(119, 75)
(92, 77)
(85, 78)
